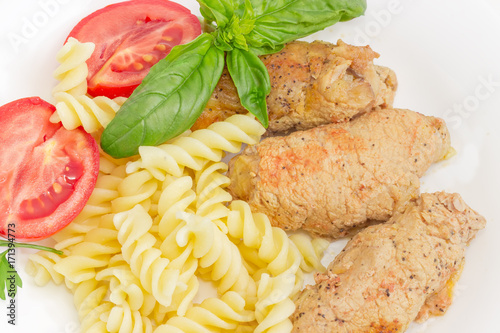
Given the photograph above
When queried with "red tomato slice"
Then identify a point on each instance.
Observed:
(130, 37)
(47, 173)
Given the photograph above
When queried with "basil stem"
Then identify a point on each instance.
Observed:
(168, 101)
(30, 246)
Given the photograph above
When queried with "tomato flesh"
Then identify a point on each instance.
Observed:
(47, 173)
(130, 38)
(61, 190)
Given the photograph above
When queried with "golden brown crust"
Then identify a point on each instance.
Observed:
(332, 179)
(312, 84)
(389, 274)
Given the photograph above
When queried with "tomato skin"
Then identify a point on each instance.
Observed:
(130, 37)
(38, 160)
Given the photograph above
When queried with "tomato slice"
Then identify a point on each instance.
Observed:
(47, 173)
(130, 37)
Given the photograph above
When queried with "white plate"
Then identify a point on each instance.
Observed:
(446, 55)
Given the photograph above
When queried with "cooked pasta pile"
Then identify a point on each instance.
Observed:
(159, 222)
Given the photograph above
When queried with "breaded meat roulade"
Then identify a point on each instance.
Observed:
(331, 179)
(393, 273)
(312, 84)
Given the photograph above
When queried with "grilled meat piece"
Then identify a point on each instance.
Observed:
(331, 179)
(312, 84)
(393, 273)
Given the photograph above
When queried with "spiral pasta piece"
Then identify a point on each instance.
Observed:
(194, 150)
(41, 267)
(121, 318)
(94, 252)
(136, 188)
(72, 71)
(211, 198)
(311, 249)
(81, 110)
(271, 245)
(146, 262)
(274, 306)
(73, 107)
(92, 323)
(89, 301)
(75, 233)
(81, 267)
(124, 287)
(177, 195)
(211, 315)
(280, 276)
(216, 254)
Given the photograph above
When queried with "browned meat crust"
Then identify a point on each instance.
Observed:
(312, 84)
(393, 273)
(331, 179)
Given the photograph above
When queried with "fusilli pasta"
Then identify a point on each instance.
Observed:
(211, 198)
(312, 250)
(94, 252)
(213, 314)
(177, 195)
(121, 318)
(81, 110)
(136, 188)
(274, 306)
(89, 301)
(271, 244)
(195, 149)
(124, 287)
(146, 261)
(279, 277)
(41, 266)
(72, 71)
(73, 107)
(216, 254)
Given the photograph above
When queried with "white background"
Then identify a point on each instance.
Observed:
(446, 55)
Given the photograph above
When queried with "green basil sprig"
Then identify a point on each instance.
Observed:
(177, 88)
(7, 270)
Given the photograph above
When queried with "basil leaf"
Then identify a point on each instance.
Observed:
(219, 11)
(8, 272)
(7, 275)
(252, 82)
(168, 101)
(4, 268)
(281, 21)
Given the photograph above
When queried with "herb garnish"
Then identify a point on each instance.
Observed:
(177, 88)
(7, 269)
